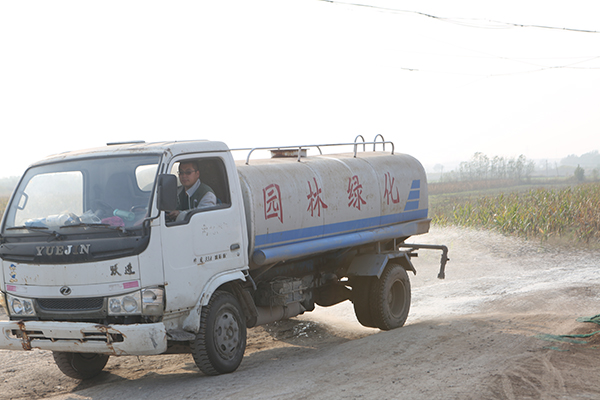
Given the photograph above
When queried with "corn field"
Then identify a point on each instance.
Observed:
(3, 202)
(571, 213)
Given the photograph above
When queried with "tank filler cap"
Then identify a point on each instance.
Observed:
(288, 153)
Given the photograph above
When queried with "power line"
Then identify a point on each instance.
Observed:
(538, 67)
(482, 75)
(465, 21)
(534, 66)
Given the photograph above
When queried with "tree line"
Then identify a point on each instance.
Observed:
(482, 167)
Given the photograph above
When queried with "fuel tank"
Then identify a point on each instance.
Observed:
(296, 207)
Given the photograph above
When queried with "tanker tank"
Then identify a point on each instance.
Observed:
(297, 207)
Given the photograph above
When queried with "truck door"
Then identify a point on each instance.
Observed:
(207, 236)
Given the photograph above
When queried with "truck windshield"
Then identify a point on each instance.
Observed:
(106, 193)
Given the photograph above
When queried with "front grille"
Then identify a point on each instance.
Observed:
(83, 304)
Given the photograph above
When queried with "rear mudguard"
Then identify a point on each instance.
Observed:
(374, 264)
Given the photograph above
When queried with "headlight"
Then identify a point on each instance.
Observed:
(125, 305)
(130, 304)
(20, 306)
(115, 306)
(145, 301)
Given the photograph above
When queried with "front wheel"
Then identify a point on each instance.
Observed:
(80, 365)
(389, 298)
(221, 341)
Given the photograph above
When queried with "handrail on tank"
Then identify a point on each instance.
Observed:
(382, 141)
(374, 142)
(318, 146)
(364, 144)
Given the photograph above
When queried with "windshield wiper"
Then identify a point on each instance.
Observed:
(86, 225)
(99, 225)
(26, 227)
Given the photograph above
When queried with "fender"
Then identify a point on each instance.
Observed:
(192, 321)
(374, 264)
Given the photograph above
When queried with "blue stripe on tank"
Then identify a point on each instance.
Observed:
(298, 235)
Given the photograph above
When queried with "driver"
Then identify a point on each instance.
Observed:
(192, 193)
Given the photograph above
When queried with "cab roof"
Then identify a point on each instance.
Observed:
(138, 147)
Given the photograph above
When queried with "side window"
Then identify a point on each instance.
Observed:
(202, 186)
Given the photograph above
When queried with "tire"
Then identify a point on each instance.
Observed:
(361, 288)
(80, 365)
(390, 298)
(220, 344)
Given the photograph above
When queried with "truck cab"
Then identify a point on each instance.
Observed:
(85, 247)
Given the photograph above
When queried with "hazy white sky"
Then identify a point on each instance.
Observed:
(77, 74)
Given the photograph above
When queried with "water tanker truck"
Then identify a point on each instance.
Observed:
(113, 251)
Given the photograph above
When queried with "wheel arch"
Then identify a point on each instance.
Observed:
(226, 281)
(374, 264)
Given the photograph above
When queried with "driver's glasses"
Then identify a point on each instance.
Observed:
(187, 172)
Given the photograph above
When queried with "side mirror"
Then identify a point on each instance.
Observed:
(167, 192)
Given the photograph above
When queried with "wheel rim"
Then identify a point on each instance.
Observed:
(226, 335)
(397, 299)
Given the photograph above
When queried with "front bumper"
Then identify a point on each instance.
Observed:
(80, 337)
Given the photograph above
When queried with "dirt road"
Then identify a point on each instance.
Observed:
(470, 336)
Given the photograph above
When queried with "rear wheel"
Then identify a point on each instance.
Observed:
(80, 365)
(361, 288)
(221, 341)
(390, 297)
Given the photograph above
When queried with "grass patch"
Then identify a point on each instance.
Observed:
(571, 213)
(3, 203)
